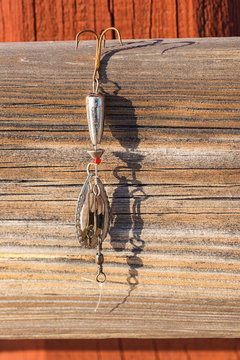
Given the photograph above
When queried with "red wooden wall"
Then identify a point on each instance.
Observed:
(28, 20)
(121, 349)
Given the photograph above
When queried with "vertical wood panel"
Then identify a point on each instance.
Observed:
(49, 24)
(234, 16)
(189, 16)
(85, 18)
(164, 19)
(69, 19)
(134, 349)
(143, 19)
(28, 20)
(197, 349)
(212, 349)
(171, 349)
(22, 350)
(2, 23)
(146, 19)
(124, 18)
(87, 14)
(62, 19)
(103, 15)
(109, 349)
(133, 18)
(17, 20)
(71, 350)
(216, 18)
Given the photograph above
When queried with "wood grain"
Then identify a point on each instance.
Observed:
(61, 19)
(171, 170)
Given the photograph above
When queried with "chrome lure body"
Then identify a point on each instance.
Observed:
(95, 115)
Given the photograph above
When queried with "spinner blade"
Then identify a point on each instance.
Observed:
(92, 214)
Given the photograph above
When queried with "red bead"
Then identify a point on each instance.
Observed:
(97, 161)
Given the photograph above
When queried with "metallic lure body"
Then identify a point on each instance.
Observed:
(95, 116)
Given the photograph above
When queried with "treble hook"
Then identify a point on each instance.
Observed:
(100, 38)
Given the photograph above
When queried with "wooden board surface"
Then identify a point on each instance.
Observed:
(62, 19)
(171, 170)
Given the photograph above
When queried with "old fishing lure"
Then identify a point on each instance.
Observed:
(92, 213)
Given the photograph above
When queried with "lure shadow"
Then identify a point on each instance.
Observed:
(129, 194)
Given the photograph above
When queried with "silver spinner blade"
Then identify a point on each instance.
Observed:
(92, 214)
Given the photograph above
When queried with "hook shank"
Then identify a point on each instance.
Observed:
(100, 38)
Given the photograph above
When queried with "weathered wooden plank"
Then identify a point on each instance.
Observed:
(171, 170)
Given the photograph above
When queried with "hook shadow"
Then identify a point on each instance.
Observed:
(184, 44)
(129, 46)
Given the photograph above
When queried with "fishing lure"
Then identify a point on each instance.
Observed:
(92, 213)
